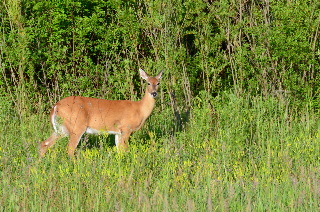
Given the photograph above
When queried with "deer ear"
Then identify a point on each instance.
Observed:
(143, 74)
(159, 76)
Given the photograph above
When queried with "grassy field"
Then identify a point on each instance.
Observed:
(246, 154)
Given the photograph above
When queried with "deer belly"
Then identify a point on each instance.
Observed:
(100, 132)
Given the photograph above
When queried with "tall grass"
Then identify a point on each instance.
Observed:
(255, 148)
(246, 154)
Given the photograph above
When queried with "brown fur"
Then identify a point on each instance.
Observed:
(75, 115)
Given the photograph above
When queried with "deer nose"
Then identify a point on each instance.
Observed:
(154, 94)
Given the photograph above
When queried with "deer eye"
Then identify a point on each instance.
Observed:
(158, 83)
(149, 83)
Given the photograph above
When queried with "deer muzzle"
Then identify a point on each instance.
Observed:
(154, 94)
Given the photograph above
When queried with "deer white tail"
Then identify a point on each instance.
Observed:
(57, 123)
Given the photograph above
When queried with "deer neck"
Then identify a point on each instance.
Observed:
(147, 104)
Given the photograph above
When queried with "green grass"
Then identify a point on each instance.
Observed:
(249, 154)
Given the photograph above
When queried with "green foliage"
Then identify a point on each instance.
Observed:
(92, 48)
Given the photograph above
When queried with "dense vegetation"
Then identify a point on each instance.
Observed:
(236, 126)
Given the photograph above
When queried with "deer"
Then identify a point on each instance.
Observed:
(74, 116)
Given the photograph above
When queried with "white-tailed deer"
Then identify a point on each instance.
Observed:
(75, 115)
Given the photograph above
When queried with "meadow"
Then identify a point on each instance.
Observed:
(248, 154)
(236, 126)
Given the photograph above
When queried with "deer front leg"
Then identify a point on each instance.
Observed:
(122, 141)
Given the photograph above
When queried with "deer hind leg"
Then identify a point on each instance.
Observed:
(45, 145)
(60, 131)
(74, 141)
